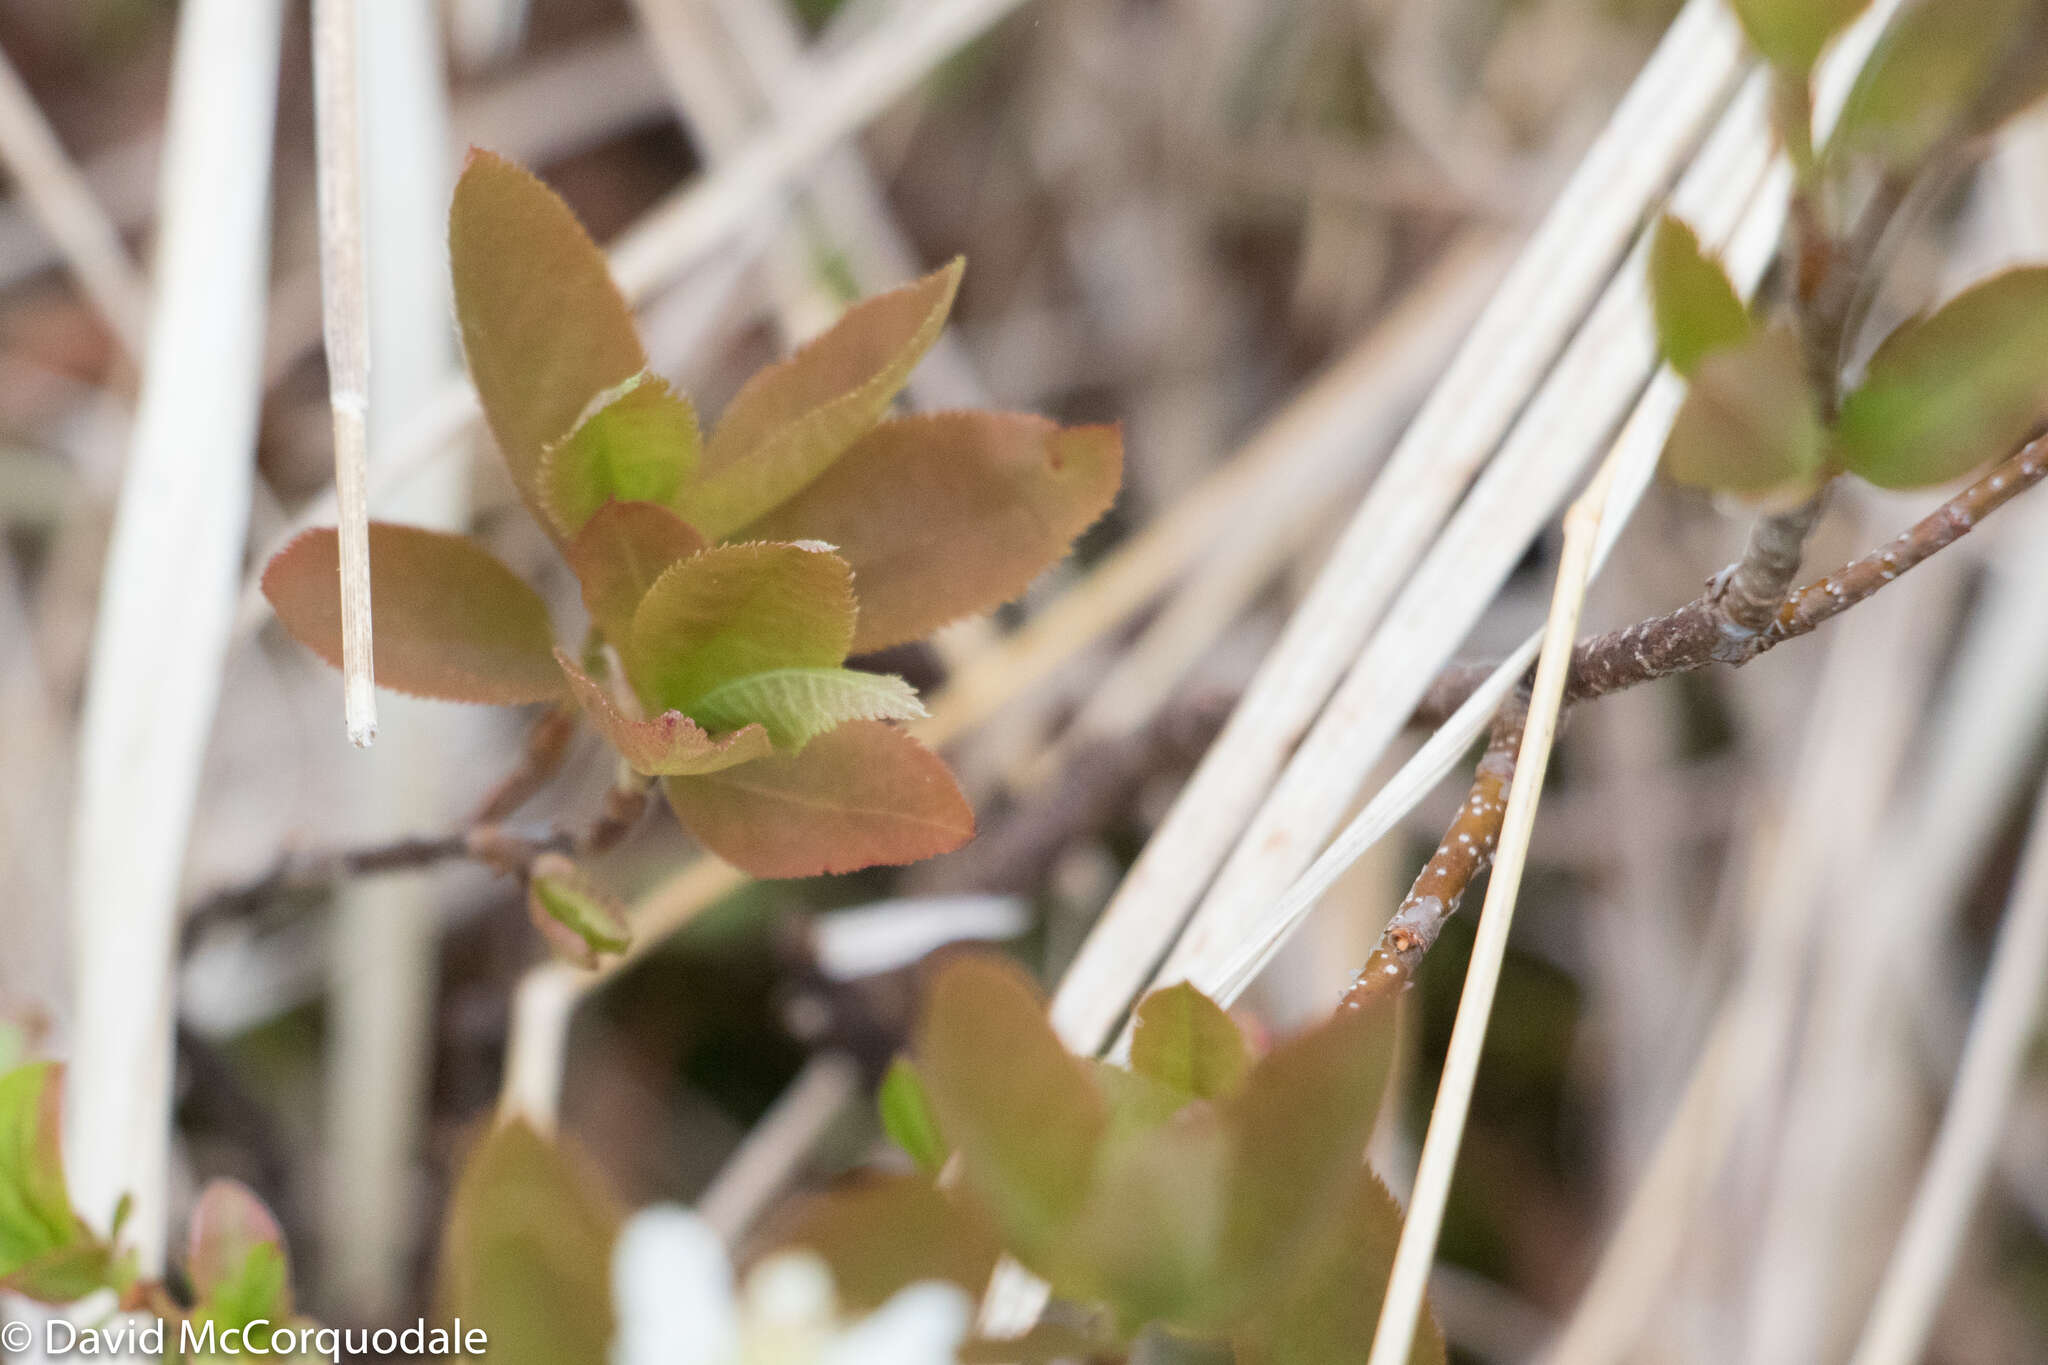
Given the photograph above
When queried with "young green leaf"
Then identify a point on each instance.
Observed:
(735, 610)
(1023, 1113)
(46, 1251)
(1137, 1101)
(791, 421)
(1697, 309)
(1749, 423)
(948, 514)
(668, 745)
(35, 1205)
(1314, 1098)
(236, 1258)
(543, 326)
(580, 923)
(1952, 390)
(1791, 33)
(639, 443)
(526, 1253)
(1331, 1303)
(1183, 1039)
(1929, 77)
(452, 622)
(863, 795)
(908, 1118)
(797, 704)
(617, 556)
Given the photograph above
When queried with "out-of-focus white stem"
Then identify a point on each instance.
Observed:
(541, 1009)
(346, 325)
(167, 603)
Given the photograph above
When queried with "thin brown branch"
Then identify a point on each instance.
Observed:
(1700, 633)
(1440, 888)
(547, 745)
(486, 843)
(1752, 588)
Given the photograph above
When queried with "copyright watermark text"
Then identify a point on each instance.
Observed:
(146, 1338)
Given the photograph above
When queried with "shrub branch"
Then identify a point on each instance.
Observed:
(484, 840)
(1705, 631)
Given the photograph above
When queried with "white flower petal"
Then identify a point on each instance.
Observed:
(921, 1325)
(791, 1289)
(673, 1288)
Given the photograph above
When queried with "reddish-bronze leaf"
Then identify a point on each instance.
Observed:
(791, 421)
(1330, 1306)
(617, 556)
(952, 513)
(863, 795)
(668, 745)
(735, 610)
(1313, 1098)
(543, 326)
(882, 1234)
(451, 621)
(1749, 423)
(1022, 1112)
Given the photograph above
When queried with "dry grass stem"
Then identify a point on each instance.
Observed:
(1416, 1251)
(345, 312)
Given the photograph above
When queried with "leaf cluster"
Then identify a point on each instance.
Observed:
(730, 578)
(1199, 1191)
(1945, 393)
(1768, 414)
